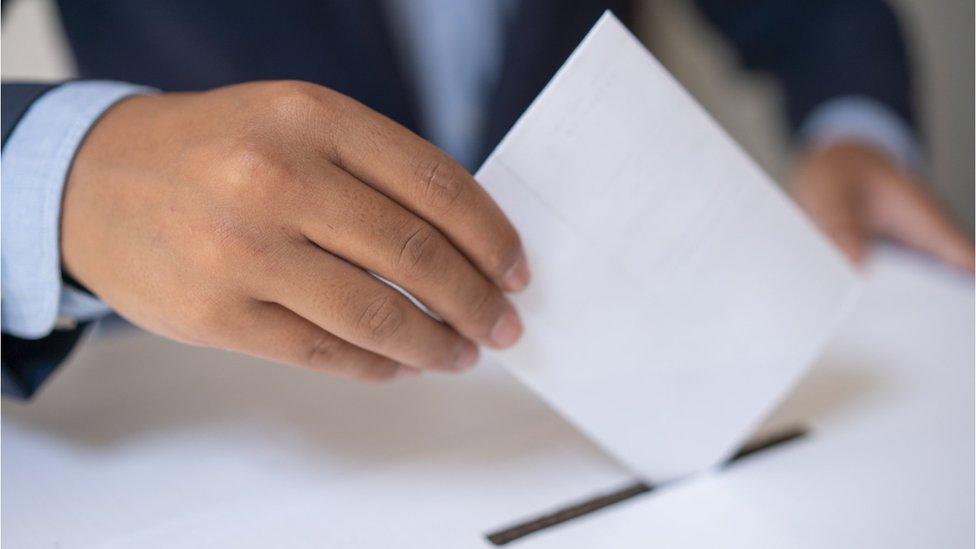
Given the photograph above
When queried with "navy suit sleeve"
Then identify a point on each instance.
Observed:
(16, 98)
(27, 363)
(819, 50)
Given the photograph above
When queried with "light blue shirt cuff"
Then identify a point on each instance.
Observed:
(857, 118)
(35, 163)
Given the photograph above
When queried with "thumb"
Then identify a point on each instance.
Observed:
(852, 241)
(833, 207)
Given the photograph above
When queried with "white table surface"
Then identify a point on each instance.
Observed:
(140, 442)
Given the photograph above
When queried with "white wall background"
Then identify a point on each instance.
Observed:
(941, 43)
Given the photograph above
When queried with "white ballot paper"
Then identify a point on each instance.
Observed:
(677, 293)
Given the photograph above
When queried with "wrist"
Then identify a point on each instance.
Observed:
(859, 119)
(108, 157)
(36, 159)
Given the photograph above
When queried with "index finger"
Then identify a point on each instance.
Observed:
(423, 179)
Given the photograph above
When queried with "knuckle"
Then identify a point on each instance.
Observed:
(420, 251)
(296, 104)
(251, 170)
(440, 182)
(322, 351)
(482, 305)
(293, 100)
(382, 318)
(253, 161)
(255, 182)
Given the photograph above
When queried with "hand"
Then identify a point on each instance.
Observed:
(854, 193)
(250, 217)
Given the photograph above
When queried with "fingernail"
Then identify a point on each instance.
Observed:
(517, 277)
(467, 356)
(407, 371)
(507, 330)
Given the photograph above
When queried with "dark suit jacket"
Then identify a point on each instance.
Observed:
(817, 49)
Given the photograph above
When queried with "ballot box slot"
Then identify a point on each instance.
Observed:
(602, 501)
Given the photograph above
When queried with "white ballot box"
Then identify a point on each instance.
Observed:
(142, 442)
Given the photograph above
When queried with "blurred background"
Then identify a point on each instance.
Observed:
(939, 34)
